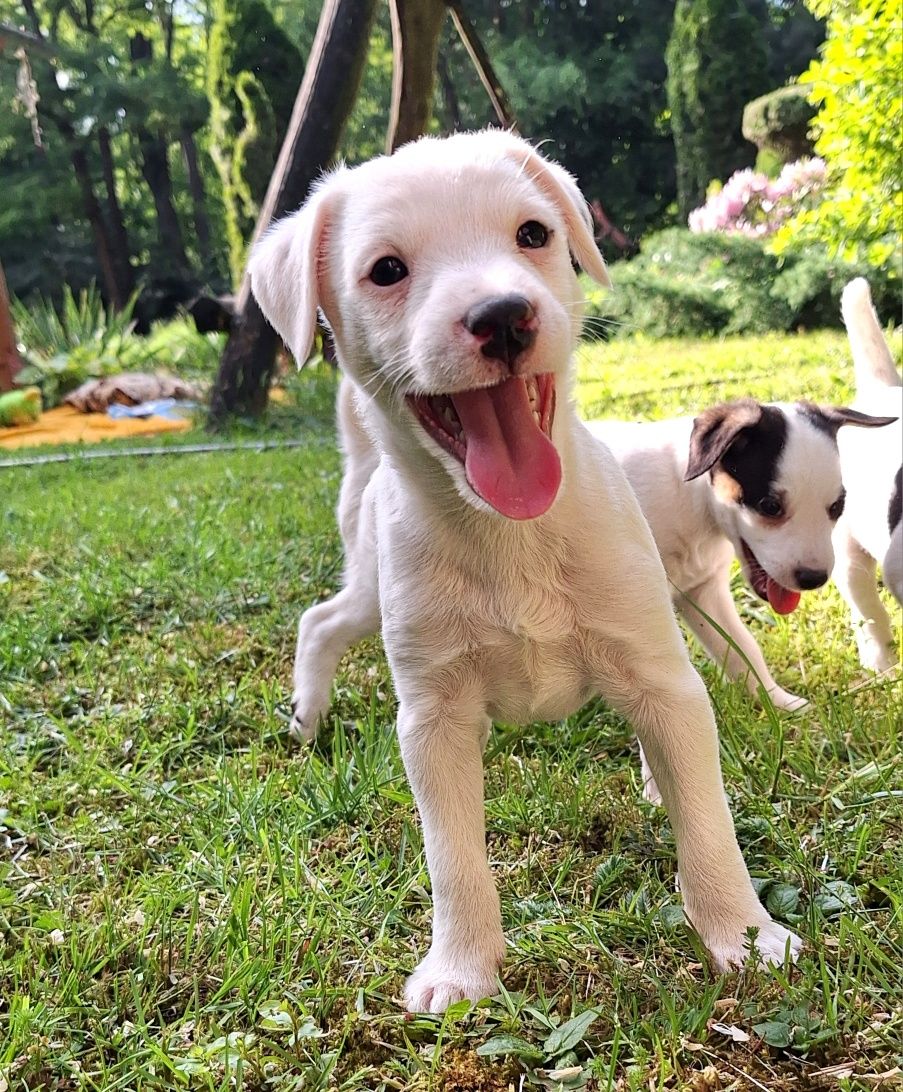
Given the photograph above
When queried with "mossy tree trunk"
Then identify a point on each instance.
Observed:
(322, 106)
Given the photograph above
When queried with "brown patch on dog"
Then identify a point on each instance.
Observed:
(726, 488)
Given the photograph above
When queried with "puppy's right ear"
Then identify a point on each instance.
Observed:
(284, 273)
(715, 430)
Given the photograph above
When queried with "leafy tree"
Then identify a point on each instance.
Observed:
(716, 63)
(587, 78)
(856, 86)
(115, 93)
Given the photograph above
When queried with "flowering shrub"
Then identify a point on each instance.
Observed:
(755, 205)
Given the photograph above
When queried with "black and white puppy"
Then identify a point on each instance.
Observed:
(871, 530)
(759, 482)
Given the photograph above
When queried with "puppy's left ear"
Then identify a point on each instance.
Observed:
(561, 187)
(284, 272)
(831, 418)
(716, 430)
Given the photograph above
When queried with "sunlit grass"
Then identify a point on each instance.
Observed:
(187, 900)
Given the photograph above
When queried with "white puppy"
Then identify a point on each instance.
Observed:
(496, 542)
(759, 482)
(871, 529)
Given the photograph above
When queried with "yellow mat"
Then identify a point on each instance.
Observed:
(65, 425)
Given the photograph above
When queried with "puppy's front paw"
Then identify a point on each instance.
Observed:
(439, 982)
(650, 791)
(876, 656)
(306, 716)
(784, 700)
(773, 946)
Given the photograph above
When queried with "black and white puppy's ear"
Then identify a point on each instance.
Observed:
(830, 418)
(563, 191)
(715, 430)
(284, 272)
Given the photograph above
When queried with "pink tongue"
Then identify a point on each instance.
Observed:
(782, 599)
(510, 463)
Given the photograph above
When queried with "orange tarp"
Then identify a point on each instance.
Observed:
(65, 425)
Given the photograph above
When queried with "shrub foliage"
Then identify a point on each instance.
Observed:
(856, 86)
(684, 285)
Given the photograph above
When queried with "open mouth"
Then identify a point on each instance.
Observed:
(783, 600)
(502, 437)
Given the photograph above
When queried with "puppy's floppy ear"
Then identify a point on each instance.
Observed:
(284, 273)
(715, 430)
(561, 187)
(831, 418)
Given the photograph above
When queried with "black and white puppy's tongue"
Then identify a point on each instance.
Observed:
(783, 600)
(510, 462)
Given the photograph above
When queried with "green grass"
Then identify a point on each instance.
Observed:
(188, 900)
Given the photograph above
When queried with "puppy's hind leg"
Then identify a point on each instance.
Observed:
(856, 578)
(667, 702)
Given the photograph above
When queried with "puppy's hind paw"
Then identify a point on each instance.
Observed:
(773, 945)
(435, 985)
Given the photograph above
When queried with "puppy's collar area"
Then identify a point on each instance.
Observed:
(502, 437)
(783, 600)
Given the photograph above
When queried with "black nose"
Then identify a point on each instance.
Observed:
(810, 578)
(502, 320)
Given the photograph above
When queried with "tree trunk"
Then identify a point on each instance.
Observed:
(324, 101)
(119, 239)
(416, 25)
(116, 291)
(198, 198)
(483, 65)
(10, 361)
(449, 95)
(155, 168)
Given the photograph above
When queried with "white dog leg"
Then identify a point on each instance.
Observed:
(740, 656)
(441, 748)
(326, 631)
(854, 575)
(892, 565)
(671, 713)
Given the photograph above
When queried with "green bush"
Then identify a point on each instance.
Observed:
(779, 122)
(684, 284)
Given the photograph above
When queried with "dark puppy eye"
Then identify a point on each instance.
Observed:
(771, 507)
(836, 509)
(388, 271)
(532, 235)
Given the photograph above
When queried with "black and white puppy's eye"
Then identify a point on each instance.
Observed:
(388, 271)
(836, 509)
(770, 506)
(532, 235)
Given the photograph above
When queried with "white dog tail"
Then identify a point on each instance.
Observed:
(871, 356)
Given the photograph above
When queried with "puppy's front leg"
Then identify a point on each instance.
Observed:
(673, 718)
(325, 633)
(441, 745)
(740, 656)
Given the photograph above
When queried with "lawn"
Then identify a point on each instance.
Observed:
(187, 899)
